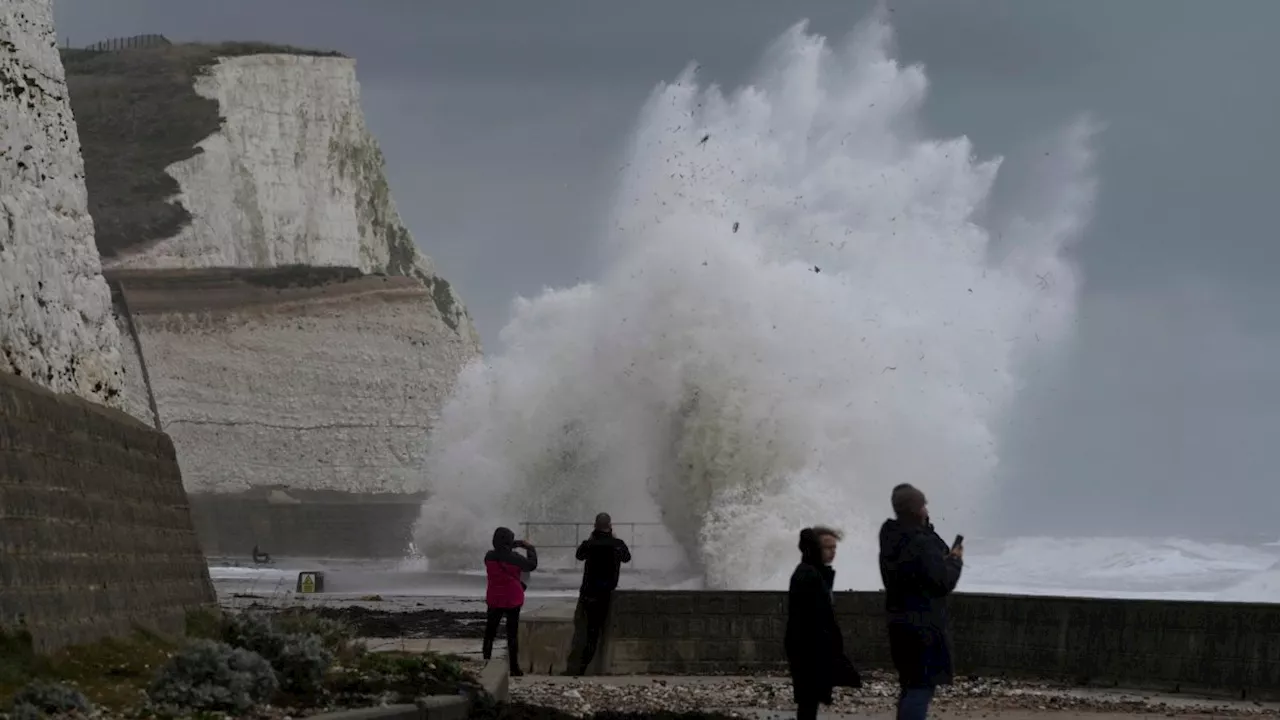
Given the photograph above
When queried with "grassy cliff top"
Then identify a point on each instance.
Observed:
(137, 112)
(194, 56)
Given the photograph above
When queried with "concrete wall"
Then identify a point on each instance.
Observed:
(95, 532)
(1222, 647)
(297, 523)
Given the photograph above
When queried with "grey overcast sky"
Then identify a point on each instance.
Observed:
(503, 123)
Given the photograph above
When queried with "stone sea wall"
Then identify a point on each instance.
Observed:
(96, 536)
(1228, 648)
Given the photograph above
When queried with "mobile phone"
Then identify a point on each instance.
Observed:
(958, 542)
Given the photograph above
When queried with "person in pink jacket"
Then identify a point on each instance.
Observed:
(504, 593)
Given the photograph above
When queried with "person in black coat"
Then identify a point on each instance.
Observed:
(919, 571)
(813, 643)
(602, 556)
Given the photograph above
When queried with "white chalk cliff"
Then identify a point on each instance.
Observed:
(331, 383)
(292, 177)
(289, 332)
(56, 325)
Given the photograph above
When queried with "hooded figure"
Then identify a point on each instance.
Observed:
(813, 643)
(504, 593)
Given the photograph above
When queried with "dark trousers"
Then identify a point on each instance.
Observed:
(913, 703)
(807, 710)
(494, 617)
(592, 613)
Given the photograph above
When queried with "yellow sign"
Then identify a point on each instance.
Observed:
(308, 583)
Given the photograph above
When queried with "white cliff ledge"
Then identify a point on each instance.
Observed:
(55, 319)
(306, 378)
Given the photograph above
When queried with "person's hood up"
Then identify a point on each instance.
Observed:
(895, 535)
(503, 538)
(810, 548)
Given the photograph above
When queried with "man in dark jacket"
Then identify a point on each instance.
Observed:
(919, 571)
(602, 556)
(813, 643)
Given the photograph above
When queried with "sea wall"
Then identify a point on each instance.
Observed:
(1159, 645)
(56, 327)
(95, 532)
(300, 400)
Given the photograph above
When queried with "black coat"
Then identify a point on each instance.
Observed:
(813, 643)
(918, 573)
(602, 556)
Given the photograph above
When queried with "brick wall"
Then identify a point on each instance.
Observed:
(95, 533)
(1221, 647)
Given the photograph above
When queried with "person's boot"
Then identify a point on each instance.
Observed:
(516, 671)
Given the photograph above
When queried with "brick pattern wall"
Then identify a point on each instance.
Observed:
(95, 532)
(1222, 647)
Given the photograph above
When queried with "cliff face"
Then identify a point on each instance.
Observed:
(56, 326)
(311, 379)
(267, 163)
(277, 319)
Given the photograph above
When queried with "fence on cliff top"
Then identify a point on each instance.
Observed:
(133, 42)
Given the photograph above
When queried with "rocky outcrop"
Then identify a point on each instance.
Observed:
(56, 326)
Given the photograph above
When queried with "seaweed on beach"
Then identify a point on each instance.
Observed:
(374, 623)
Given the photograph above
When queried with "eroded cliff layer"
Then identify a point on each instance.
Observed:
(319, 383)
(316, 379)
(56, 327)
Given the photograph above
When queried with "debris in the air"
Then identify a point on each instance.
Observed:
(817, 269)
(704, 139)
(735, 227)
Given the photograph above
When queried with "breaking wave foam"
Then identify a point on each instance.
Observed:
(799, 309)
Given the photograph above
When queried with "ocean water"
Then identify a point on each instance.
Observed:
(805, 299)
(1158, 568)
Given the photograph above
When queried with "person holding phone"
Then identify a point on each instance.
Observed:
(507, 572)
(919, 571)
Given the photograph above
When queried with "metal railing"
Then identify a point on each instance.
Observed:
(637, 535)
